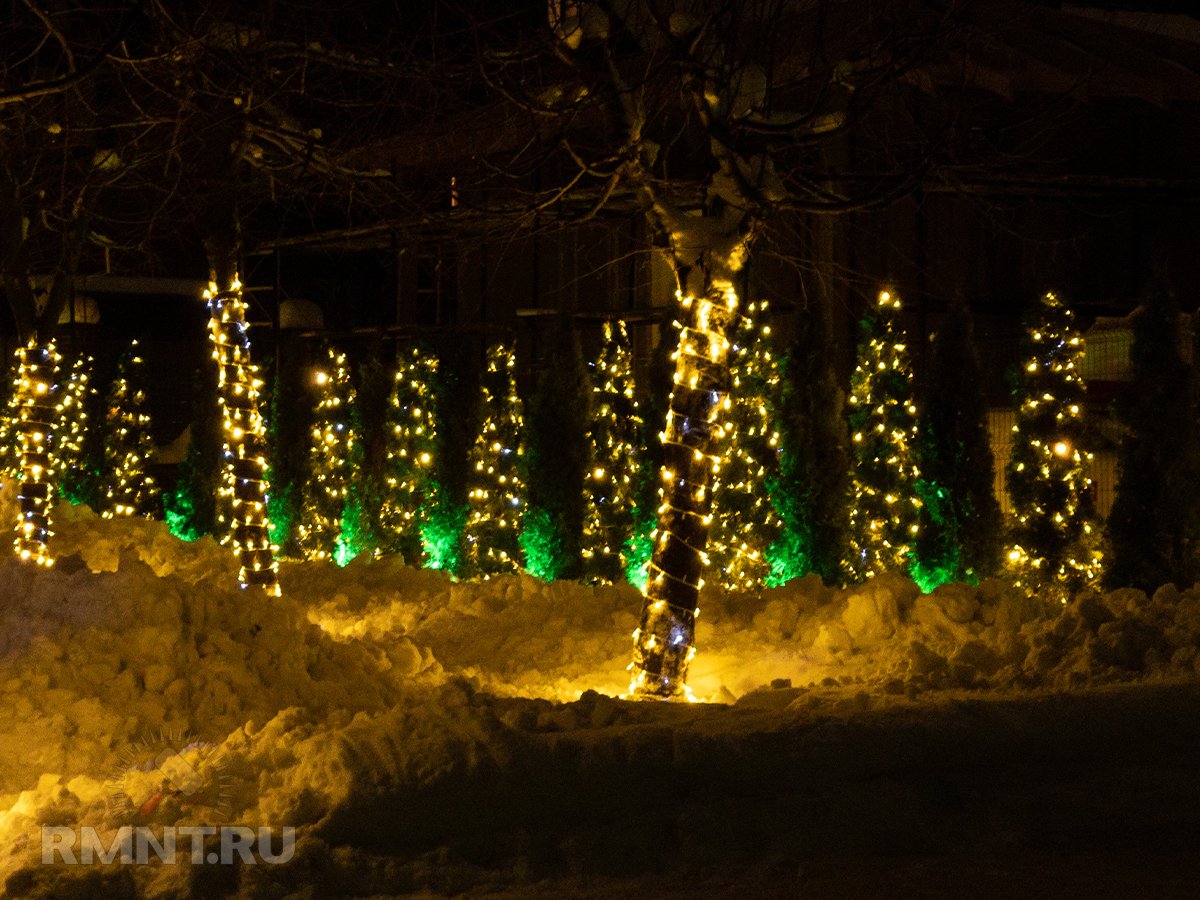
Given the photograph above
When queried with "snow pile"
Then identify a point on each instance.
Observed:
(382, 694)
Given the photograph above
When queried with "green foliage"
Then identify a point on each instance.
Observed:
(1154, 525)
(885, 509)
(288, 427)
(1054, 540)
(960, 537)
(814, 464)
(557, 458)
(612, 475)
(361, 526)
(442, 536)
(191, 508)
(543, 543)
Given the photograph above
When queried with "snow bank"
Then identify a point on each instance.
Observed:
(381, 696)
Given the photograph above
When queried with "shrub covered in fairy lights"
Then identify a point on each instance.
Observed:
(496, 489)
(330, 443)
(884, 506)
(410, 442)
(128, 447)
(745, 526)
(611, 481)
(74, 443)
(1054, 545)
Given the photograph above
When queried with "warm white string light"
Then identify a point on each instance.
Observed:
(609, 485)
(36, 392)
(244, 443)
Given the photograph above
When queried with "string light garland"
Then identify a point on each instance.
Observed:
(664, 642)
(496, 495)
(883, 423)
(1055, 541)
(71, 428)
(610, 482)
(410, 442)
(745, 524)
(36, 405)
(128, 447)
(10, 444)
(244, 445)
(331, 441)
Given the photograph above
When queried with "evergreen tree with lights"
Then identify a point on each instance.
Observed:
(885, 507)
(1154, 525)
(814, 465)
(72, 435)
(330, 445)
(1054, 544)
(496, 490)
(961, 538)
(128, 447)
(411, 444)
(614, 438)
(745, 526)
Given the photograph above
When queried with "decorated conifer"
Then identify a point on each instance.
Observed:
(128, 447)
(496, 490)
(76, 472)
(884, 507)
(1154, 525)
(1055, 544)
(745, 524)
(960, 537)
(330, 444)
(610, 486)
(410, 442)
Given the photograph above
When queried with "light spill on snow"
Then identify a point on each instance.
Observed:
(383, 691)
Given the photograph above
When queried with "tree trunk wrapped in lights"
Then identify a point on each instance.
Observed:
(611, 483)
(496, 495)
(331, 441)
(128, 447)
(35, 416)
(885, 507)
(75, 481)
(244, 443)
(664, 640)
(410, 440)
(746, 526)
(1055, 543)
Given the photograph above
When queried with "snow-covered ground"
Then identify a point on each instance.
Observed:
(424, 736)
